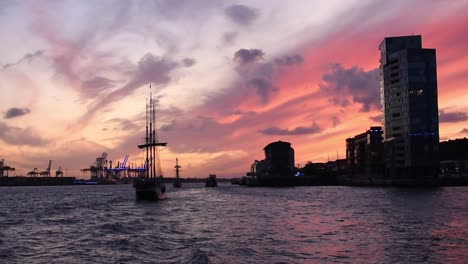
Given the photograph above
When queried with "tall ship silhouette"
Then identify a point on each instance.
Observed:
(150, 184)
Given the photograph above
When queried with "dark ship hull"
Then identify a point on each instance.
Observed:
(211, 184)
(149, 189)
(211, 181)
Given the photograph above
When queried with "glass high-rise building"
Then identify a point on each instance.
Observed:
(408, 87)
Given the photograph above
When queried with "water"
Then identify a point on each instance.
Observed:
(232, 224)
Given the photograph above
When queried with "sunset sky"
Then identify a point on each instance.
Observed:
(229, 77)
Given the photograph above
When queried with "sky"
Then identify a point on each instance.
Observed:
(228, 77)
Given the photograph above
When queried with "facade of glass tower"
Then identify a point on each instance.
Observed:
(408, 87)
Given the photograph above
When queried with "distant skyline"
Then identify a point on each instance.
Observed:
(229, 76)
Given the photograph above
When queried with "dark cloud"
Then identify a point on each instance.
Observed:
(20, 137)
(288, 60)
(246, 56)
(16, 112)
(229, 38)
(452, 117)
(188, 62)
(254, 76)
(314, 128)
(362, 86)
(92, 87)
(28, 57)
(151, 70)
(263, 87)
(259, 77)
(377, 118)
(265, 69)
(241, 14)
(465, 131)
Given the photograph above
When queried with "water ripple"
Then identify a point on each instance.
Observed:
(232, 224)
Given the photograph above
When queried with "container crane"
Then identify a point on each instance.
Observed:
(59, 172)
(46, 173)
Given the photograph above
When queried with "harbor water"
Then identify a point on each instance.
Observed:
(234, 224)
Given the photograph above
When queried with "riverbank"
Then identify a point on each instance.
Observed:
(36, 181)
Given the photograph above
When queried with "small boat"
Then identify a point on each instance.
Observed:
(149, 186)
(177, 183)
(211, 181)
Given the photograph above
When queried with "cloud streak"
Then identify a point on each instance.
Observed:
(452, 117)
(377, 118)
(15, 112)
(300, 130)
(28, 57)
(122, 124)
(93, 87)
(151, 69)
(21, 137)
(288, 60)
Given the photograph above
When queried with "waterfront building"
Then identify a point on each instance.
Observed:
(408, 87)
(280, 157)
(364, 153)
(454, 158)
(278, 166)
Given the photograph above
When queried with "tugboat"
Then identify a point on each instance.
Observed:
(211, 181)
(178, 182)
(149, 186)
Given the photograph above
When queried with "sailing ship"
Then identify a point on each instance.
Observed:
(177, 183)
(150, 186)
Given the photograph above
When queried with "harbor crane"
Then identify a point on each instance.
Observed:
(4, 168)
(97, 169)
(33, 173)
(59, 172)
(46, 173)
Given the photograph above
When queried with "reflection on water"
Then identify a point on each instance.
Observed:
(232, 224)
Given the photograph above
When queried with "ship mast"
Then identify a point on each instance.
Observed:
(147, 140)
(177, 167)
(150, 140)
(154, 139)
